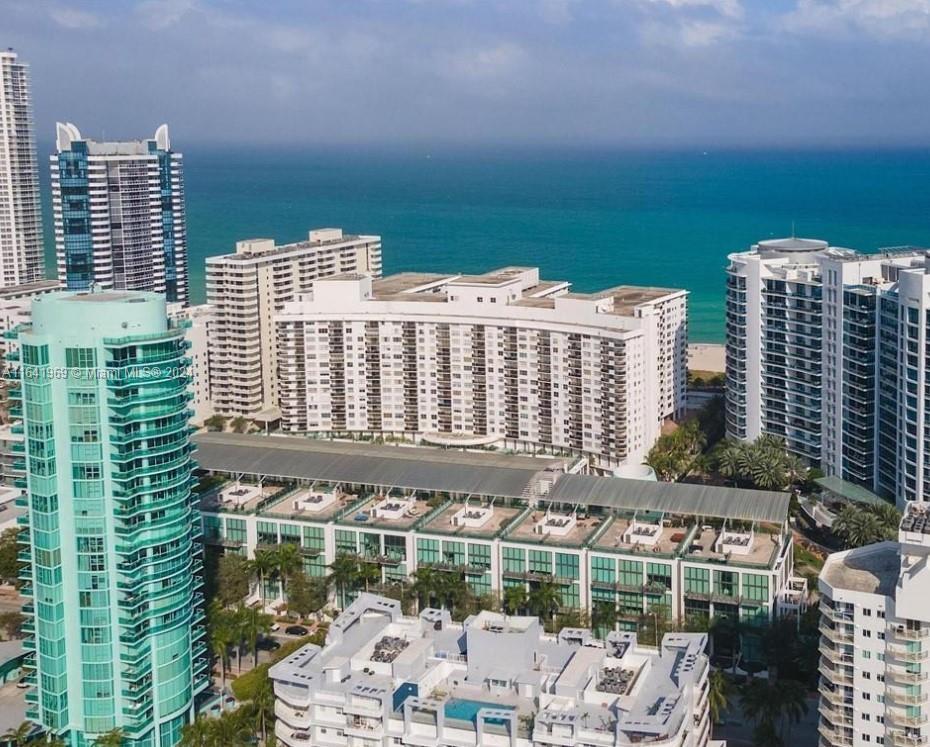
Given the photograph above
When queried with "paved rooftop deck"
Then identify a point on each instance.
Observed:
(442, 523)
(583, 530)
(873, 569)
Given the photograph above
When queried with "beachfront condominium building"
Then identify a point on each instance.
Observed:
(21, 253)
(246, 289)
(384, 678)
(198, 322)
(500, 358)
(112, 556)
(825, 350)
(616, 548)
(875, 640)
(119, 214)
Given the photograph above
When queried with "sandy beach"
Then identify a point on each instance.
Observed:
(703, 356)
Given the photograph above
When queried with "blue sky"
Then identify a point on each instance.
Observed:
(567, 72)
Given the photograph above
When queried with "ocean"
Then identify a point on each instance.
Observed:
(596, 218)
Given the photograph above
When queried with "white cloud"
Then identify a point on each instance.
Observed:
(493, 62)
(688, 33)
(727, 8)
(161, 14)
(881, 18)
(556, 12)
(71, 18)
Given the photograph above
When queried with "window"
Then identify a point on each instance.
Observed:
(541, 562)
(603, 570)
(514, 559)
(697, 580)
(346, 542)
(566, 565)
(479, 556)
(756, 586)
(80, 357)
(427, 551)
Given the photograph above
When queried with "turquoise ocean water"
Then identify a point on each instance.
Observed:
(594, 218)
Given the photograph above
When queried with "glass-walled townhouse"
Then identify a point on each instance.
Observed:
(618, 564)
(112, 542)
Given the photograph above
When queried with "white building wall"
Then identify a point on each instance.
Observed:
(249, 287)
(198, 334)
(21, 252)
(323, 341)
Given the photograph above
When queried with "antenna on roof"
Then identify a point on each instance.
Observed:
(792, 229)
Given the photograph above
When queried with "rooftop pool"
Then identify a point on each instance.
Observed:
(467, 710)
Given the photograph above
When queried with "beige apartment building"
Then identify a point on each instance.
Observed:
(247, 288)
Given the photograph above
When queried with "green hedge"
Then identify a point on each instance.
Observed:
(245, 686)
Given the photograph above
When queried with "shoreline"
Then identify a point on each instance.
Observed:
(707, 356)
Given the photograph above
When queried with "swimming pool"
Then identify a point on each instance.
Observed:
(467, 710)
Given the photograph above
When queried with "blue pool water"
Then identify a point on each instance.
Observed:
(467, 710)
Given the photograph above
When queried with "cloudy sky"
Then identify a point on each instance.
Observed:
(562, 72)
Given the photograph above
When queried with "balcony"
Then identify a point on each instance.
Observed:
(905, 739)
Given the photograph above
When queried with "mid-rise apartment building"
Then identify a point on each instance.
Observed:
(21, 254)
(16, 307)
(825, 349)
(875, 640)
(113, 547)
(383, 678)
(497, 521)
(246, 289)
(119, 214)
(500, 358)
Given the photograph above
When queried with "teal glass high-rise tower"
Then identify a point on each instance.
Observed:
(114, 557)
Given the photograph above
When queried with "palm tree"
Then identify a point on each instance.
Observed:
(515, 599)
(20, 735)
(426, 584)
(368, 574)
(232, 730)
(198, 733)
(718, 694)
(263, 565)
(545, 599)
(767, 471)
(795, 469)
(288, 563)
(112, 738)
(730, 462)
(343, 572)
(888, 516)
(220, 642)
(255, 624)
(729, 629)
(856, 527)
(603, 617)
(773, 707)
(263, 705)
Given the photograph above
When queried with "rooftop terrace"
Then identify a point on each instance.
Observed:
(455, 519)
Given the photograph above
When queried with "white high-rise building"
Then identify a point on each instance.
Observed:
(198, 322)
(502, 357)
(875, 641)
(824, 349)
(21, 253)
(386, 679)
(248, 287)
(119, 214)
